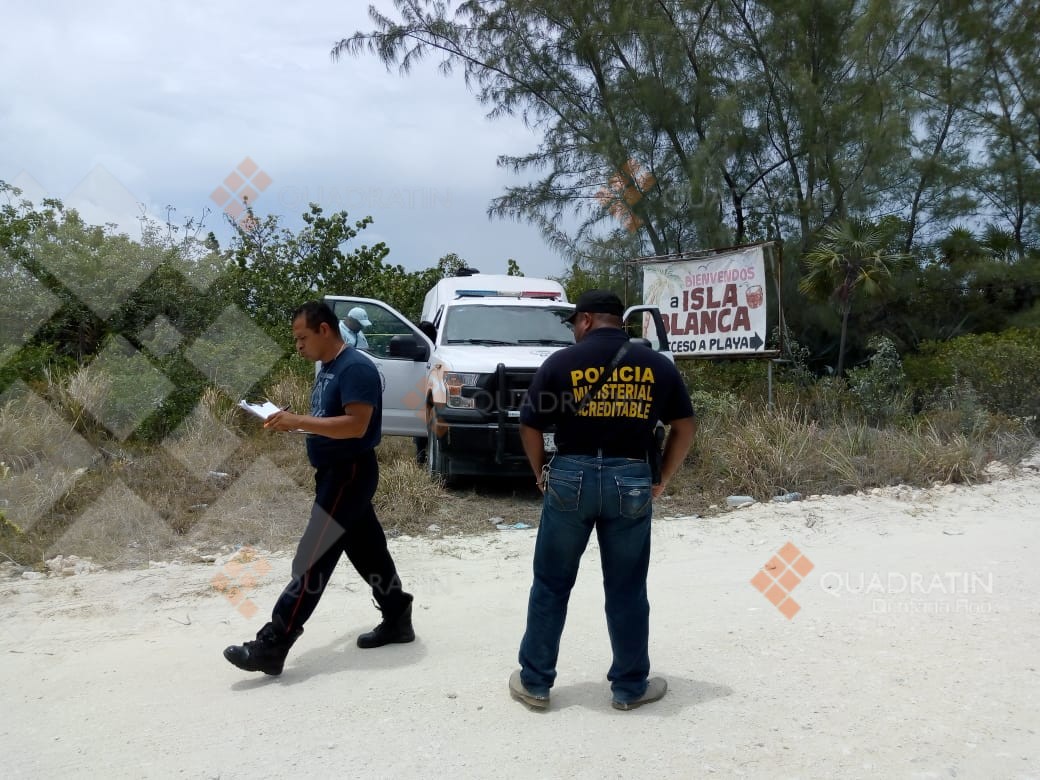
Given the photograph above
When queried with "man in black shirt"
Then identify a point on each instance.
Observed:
(343, 429)
(599, 477)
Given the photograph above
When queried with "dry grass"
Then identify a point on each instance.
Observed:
(31, 431)
(218, 407)
(204, 440)
(407, 498)
(117, 529)
(263, 507)
(76, 393)
(292, 390)
(219, 479)
(755, 452)
(43, 459)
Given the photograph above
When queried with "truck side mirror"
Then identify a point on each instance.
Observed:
(407, 346)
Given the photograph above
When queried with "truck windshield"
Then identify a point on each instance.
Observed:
(507, 325)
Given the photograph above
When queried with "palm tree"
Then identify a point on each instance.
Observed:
(848, 255)
(959, 247)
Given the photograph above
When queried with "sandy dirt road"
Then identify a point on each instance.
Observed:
(915, 654)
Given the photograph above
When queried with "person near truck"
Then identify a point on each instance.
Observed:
(343, 429)
(422, 443)
(598, 478)
(351, 328)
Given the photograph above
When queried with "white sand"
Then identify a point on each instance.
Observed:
(932, 673)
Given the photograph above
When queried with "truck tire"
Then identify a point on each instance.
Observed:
(437, 463)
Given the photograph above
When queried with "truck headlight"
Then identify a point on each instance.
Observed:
(453, 384)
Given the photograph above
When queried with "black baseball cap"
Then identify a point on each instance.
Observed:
(598, 302)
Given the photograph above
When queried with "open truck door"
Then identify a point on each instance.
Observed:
(401, 353)
(646, 323)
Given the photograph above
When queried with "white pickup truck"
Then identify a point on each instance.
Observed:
(462, 389)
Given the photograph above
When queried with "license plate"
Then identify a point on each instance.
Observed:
(549, 442)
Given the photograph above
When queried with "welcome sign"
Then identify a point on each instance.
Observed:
(713, 305)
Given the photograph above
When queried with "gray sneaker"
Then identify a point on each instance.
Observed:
(656, 687)
(520, 693)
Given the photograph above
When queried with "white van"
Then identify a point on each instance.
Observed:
(462, 389)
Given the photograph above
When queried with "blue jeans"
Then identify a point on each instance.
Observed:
(612, 495)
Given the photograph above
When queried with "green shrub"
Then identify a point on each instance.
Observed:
(31, 363)
(743, 378)
(713, 403)
(1002, 371)
(827, 400)
(880, 386)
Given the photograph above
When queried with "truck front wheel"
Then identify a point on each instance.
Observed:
(437, 463)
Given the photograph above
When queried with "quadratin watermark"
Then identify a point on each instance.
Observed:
(240, 189)
(915, 592)
(624, 190)
(415, 399)
(239, 576)
(126, 383)
(780, 575)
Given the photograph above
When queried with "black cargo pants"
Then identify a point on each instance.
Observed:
(342, 521)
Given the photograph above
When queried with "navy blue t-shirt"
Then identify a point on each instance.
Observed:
(350, 377)
(620, 419)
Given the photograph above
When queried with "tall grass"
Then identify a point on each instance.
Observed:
(43, 459)
(291, 389)
(220, 479)
(759, 452)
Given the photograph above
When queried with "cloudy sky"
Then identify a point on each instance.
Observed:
(106, 105)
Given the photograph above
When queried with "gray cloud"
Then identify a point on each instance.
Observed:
(168, 98)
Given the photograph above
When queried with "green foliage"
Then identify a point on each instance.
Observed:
(32, 363)
(667, 127)
(14, 543)
(957, 409)
(828, 398)
(410, 295)
(726, 378)
(1001, 369)
(966, 288)
(847, 257)
(697, 125)
(713, 404)
(128, 387)
(600, 265)
(274, 269)
(796, 356)
(881, 386)
(146, 327)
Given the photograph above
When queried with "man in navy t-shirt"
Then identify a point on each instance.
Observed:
(343, 428)
(599, 478)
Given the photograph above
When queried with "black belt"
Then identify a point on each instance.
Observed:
(604, 453)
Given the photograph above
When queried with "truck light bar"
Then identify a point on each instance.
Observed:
(550, 294)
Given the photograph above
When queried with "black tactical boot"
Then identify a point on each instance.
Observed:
(264, 654)
(396, 628)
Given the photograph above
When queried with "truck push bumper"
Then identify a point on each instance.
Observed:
(478, 447)
(486, 440)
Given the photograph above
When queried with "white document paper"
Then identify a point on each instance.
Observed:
(263, 411)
